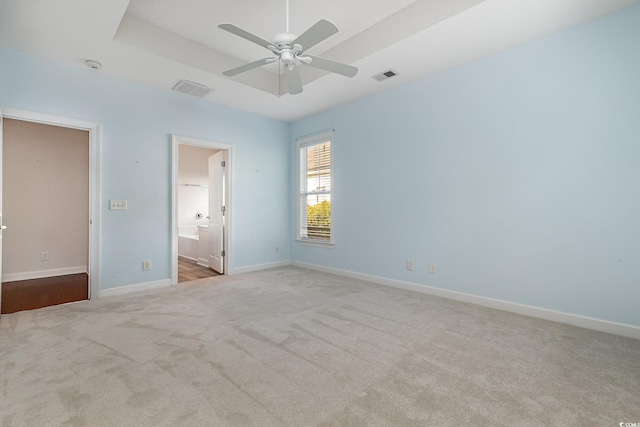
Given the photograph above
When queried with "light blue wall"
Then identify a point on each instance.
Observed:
(518, 175)
(137, 123)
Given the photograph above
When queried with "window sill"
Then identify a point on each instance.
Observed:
(316, 243)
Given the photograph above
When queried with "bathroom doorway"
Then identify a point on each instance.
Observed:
(201, 209)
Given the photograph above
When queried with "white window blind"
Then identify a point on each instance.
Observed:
(315, 189)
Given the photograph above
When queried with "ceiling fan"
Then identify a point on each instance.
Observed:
(290, 50)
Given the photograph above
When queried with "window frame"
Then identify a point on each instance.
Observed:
(303, 143)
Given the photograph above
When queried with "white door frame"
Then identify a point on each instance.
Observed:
(217, 176)
(1, 214)
(176, 140)
(94, 181)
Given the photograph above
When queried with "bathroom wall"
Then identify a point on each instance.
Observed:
(193, 170)
(45, 200)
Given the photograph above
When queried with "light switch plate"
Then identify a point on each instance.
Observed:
(118, 205)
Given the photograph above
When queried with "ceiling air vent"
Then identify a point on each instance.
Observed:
(191, 88)
(385, 75)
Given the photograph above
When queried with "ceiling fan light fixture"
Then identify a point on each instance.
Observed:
(286, 56)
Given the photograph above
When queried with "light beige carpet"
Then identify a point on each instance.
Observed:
(294, 347)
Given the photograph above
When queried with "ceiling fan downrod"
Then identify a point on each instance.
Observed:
(286, 26)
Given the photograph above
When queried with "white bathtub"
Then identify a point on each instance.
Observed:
(188, 246)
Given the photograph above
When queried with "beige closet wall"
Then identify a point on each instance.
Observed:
(45, 199)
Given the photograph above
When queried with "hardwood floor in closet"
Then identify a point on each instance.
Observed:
(37, 293)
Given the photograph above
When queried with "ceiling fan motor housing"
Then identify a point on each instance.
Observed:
(283, 39)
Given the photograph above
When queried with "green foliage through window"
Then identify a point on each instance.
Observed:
(319, 220)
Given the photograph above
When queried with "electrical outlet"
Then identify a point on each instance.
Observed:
(432, 268)
(44, 256)
(409, 265)
(146, 265)
(276, 250)
(118, 205)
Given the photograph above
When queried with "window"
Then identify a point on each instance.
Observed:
(314, 223)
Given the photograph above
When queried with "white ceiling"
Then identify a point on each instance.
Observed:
(159, 42)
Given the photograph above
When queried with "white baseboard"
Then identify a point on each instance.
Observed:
(258, 267)
(630, 331)
(122, 290)
(28, 275)
(202, 262)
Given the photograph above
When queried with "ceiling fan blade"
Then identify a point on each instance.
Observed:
(293, 80)
(249, 66)
(333, 66)
(317, 33)
(245, 35)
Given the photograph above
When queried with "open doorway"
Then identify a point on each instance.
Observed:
(201, 209)
(51, 210)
